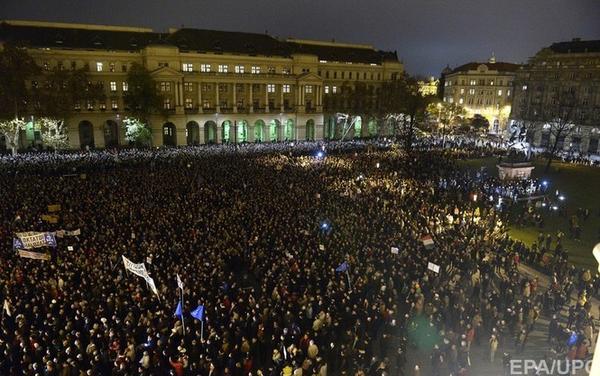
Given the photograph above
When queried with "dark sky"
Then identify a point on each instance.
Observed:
(428, 34)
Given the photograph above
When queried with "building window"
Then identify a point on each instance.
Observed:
(114, 104)
(499, 93)
(189, 103)
(271, 70)
(204, 68)
(165, 86)
(462, 91)
(99, 66)
(326, 89)
(205, 87)
(163, 64)
(113, 86)
(222, 88)
(111, 67)
(334, 74)
(188, 86)
(167, 104)
(188, 67)
(270, 88)
(90, 105)
(239, 69)
(471, 91)
(286, 88)
(206, 104)
(343, 75)
(491, 82)
(334, 89)
(364, 75)
(73, 65)
(473, 82)
(286, 70)
(308, 89)
(508, 93)
(103, 106)
(255, 69)
(124, 68)
(125, 86)
(460, 101)
(223, 68)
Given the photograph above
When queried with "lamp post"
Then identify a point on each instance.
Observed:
(596, 360)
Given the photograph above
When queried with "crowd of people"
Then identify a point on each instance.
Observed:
(309, 259)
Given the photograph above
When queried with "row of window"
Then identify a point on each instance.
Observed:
(480, 82)
(165, 86)
(488, 92)
(224, 68)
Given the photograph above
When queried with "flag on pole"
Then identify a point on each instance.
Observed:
(198, 313)
(179, 283)
(342, 267)
(179, 310)
(150, 282)
(427, 241)
(6, 307)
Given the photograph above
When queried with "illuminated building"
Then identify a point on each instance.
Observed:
(565, 67)
(484, 89)
(216, 86)
(429, 87)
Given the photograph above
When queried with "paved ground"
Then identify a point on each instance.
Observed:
(536, 347)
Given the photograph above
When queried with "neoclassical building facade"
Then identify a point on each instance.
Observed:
(565, 67)
(216, 86)
(482, 89)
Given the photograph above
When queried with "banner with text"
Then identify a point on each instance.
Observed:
(29, 240)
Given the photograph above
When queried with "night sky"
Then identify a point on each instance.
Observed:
(428, 34)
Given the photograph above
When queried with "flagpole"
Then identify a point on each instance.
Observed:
(349, 283)
(202, 330)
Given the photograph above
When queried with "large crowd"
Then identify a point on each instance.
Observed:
(309, 260)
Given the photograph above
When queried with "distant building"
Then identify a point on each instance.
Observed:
(484, 89)
(429, 87)
(217, 86)
(572, 67)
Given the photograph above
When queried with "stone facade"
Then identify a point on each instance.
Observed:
(572, 67)
(217, 86)
(484, 89)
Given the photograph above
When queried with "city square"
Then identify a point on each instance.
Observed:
(216, 200)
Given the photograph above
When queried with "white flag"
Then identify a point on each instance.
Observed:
(179, 283)
(152, 286)
(395, 250)
(137, 269)
(6, 307)
(433, 267)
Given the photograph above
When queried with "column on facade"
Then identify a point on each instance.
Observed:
(178, 94)
(251, 104)
(199, 97)
(266, 98)
(235, 109)
(217, 102)
(281, 107)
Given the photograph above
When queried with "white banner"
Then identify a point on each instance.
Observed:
(433, 267)
(34, 255)
(137, 269)
(395, 250)
(152, 286)
(63, 233)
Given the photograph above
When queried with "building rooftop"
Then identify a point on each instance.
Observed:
(576, 46)
(115, 38)
(498, 66)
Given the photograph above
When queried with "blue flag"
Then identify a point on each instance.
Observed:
(198, 313)
(179, 310)
(342, 268)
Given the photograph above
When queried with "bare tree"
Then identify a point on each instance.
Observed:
(54, 133)
(11, 130)
(552, 112)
